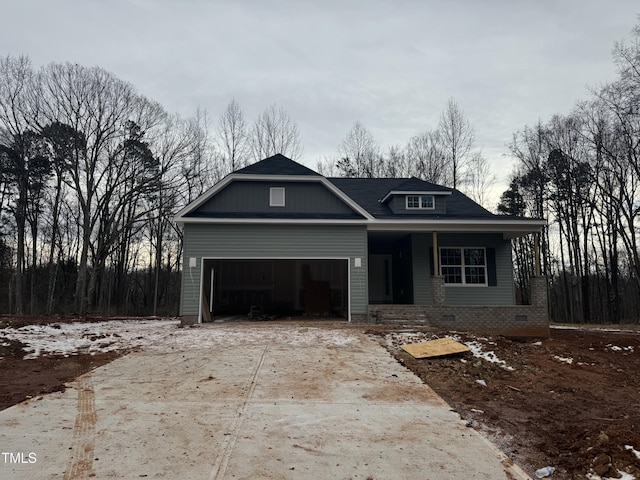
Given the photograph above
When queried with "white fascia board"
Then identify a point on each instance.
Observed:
(202, 198)
(346, 199)
(274, 221)
(180, 216)
(405, 192)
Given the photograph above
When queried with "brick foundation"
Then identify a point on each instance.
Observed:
(509, 320)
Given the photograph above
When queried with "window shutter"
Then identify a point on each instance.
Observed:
(492, 278)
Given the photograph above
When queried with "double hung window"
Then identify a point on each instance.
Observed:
(425, 202)
(463, 266)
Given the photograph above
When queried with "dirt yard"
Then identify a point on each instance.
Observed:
(571, 401)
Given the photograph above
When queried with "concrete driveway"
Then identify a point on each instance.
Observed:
(284, 401)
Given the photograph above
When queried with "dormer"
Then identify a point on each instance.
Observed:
(417, 197)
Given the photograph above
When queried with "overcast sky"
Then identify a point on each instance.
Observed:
(390, 64)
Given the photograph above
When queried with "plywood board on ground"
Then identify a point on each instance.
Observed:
(434, 348)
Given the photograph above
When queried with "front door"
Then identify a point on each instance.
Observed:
(380, 286)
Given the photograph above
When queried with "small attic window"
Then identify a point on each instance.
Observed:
(276, 197)
(425, 202)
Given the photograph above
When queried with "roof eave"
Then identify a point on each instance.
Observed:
(509, 229)
(280, 221)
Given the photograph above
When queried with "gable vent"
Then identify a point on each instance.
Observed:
(276, 197)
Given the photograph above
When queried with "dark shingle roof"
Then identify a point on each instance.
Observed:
(276, 165)
(368, 191)
(414, 184)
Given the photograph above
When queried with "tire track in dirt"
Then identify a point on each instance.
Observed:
(222, 460)
(80, 465)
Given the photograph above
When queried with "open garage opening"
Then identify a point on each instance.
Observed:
(275, 288)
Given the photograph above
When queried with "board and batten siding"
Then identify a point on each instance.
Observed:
(501, 294)
(253, 197)
(273, 241)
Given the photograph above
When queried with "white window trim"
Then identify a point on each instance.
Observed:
(433, 202)
(464, 284)
(273, 197)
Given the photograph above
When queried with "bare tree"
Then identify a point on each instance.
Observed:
(16, 81)
(274, 132)
(480, 179)
(92, 173)
(359, 153)
(185, 156)
(232, 137)
(95, 103)
(458, 138)
(426, 158)
(326, 166)
(63, 141)
(394, 164)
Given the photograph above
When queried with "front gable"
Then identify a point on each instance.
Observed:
(274, 189)
(275, 199)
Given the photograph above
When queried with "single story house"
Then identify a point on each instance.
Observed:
(277, 237)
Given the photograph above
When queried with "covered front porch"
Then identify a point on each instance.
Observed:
(455, 280)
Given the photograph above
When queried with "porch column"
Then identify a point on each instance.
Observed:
(436, 265)
(539, 291)
(437, 281)
(437, 289)
(536, 249)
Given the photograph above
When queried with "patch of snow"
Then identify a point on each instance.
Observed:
(537, 344)
(396, 339)
(101, 337)
(633, 450)
(616, 348)
(481, 382)
(489, 356)
(567, 360)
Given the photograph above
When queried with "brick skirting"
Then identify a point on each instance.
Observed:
(509, 320)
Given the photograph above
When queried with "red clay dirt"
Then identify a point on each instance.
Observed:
(577, 417)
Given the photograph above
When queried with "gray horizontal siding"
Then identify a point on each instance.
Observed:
(273, 241)
(501, 294)
(253, 197)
